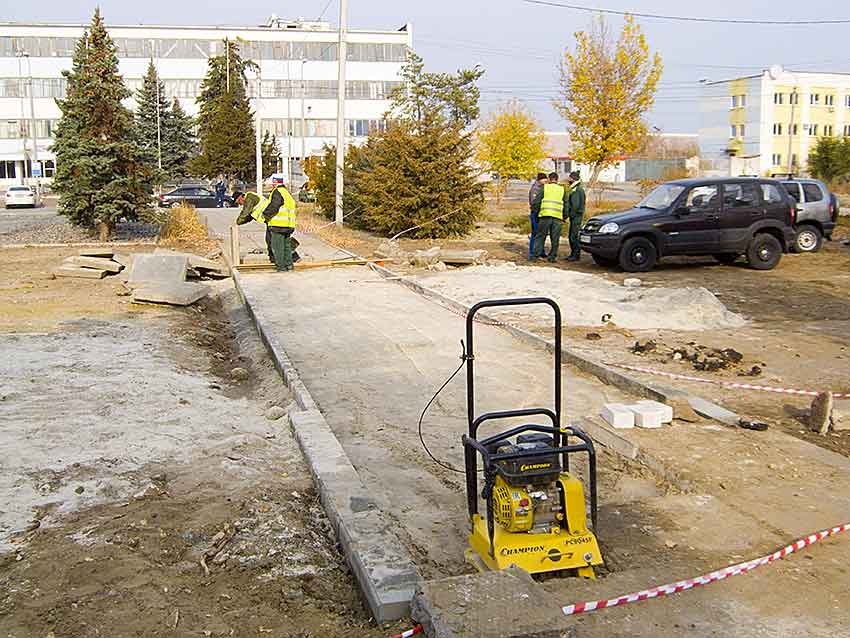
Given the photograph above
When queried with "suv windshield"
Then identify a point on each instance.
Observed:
(662, 197)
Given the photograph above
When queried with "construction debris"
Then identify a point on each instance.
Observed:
(96, 252)
(841, 415)
(829, 413)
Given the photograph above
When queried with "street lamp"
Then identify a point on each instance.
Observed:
(303, 132)
(259, 141)
(34, 132)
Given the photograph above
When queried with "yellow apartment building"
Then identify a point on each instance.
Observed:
(766, 124)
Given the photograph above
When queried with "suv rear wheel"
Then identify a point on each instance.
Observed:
(808, 239)
(764, 252)
(638, 254)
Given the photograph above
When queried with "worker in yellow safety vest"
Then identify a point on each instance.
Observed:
(549, 205)
(278, 213)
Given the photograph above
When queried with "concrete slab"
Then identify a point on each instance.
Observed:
(79, 272)
(648, 415)
(98, 263)
(505, 604)
(665, 409)
(462, 257)
(96, 252)
(841, 415)
(176, 293)
(157, 269)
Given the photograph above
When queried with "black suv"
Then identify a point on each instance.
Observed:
(725, 218)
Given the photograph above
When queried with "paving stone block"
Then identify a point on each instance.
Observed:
(125, 259)
(78, 271)
(618, 415)
(179, 293)
(98, 263)
(502, 604)
(666, 410)
(159, 268)
(648, 415)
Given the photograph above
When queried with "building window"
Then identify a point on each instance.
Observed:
(794, 98)
(734, 131)
(741, 131)
(813, 130)
(847, 130)
(814, 99)
(363, 128)
(777, 159)
(794, 129)
(779, 98)
(777, 129)
(734, 104)
(829, 100)
(49, 168)
(743, 100)
(847, 101)
(793, 159)
(7, 169)
(827, 130)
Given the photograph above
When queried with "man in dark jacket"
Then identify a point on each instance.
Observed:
(536, 187)
(575, 209)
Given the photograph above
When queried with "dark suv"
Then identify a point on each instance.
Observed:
(725, 218)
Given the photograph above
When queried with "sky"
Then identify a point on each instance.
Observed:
(519, 44)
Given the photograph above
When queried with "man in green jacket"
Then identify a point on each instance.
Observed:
(575, 210)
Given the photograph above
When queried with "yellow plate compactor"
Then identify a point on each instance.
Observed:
(535, 516)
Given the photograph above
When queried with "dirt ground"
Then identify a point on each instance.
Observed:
(140, 456)
(797, 335)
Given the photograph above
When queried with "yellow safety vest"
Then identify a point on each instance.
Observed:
(285, 217)
(553, 201)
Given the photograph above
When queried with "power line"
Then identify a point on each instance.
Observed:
(322, 14)
(656, 16)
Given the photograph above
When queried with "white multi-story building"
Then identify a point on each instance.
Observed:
(767, 124)
(298, 70)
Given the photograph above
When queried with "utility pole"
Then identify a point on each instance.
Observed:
(22, 129)
(34, 132)
(793, 97)
(342, 53)
(303, 131)
(259, 127)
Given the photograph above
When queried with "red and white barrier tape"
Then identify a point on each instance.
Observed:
(728, 384)
(410, 632)
(682, 585)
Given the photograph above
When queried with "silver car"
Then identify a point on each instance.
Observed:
(816, 214)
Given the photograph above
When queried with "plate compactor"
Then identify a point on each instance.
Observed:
(535, 516)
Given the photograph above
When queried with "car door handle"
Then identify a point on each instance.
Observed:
(712, 218)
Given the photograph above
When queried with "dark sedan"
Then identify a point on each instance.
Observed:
(197, 196)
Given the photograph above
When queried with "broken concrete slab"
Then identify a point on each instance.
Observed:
(821, 413)
(158, 268)
(79, 272)
(98, 263)
(125, 259)
(713, 411)
(501, 604)
(180, 293)
(462, 257)
(426, 257)
(96, 252)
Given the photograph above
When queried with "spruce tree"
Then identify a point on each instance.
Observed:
(100, 172)
(225, 122)
(271, 154)
(151, 113)
(179, 144)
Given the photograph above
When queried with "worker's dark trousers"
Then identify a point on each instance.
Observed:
(269, 244)
(575, 227)
(548, 227)
(282, 249)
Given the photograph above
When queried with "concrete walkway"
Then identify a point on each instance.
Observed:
(372, 353)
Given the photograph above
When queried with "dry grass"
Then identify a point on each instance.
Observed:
(183, 224)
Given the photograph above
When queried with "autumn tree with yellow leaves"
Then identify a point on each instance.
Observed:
(512, 144)
(607, 86)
